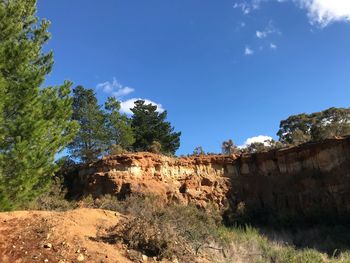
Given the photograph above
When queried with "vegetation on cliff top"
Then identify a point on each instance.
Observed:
(107, 131)
(298, 129)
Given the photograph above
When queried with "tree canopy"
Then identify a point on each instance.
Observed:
(118, 126)
(108, 131)
(91, 140)
(151, 126)
(303, 127)
(35, 122)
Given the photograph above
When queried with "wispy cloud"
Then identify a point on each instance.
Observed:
(248, 51)
(117, 90)
(126, 106)
(268, 30)
(273, 46)
(114, 88)
(246, 7)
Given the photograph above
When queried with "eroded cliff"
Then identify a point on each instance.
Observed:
(306, 180)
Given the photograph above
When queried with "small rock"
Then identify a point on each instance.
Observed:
(48, 245)
(80, 257)
(46, 260)
(144, 258)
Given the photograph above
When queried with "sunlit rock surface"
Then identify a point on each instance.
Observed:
(305, 180)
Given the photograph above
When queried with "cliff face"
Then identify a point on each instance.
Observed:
(304, 180)
(309, 180)
(199, 180)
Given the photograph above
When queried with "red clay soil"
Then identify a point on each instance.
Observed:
(63, 237)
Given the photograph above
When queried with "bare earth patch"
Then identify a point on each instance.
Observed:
(72, 236)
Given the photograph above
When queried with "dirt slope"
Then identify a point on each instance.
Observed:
(73, 236)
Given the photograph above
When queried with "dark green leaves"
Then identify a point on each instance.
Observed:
(151, 126)
(35, 123)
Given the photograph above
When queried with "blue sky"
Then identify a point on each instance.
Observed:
(222, 69)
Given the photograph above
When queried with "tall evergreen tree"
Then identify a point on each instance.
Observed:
(34, 122)
(150, 126)
(91, 140)
(118, 126)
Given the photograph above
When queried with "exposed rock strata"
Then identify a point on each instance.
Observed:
(304, 180)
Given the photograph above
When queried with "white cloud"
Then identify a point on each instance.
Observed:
(248, 51)
(261, 34)
(261, 138)
(125, 106)
(114, 88)
(321, 12)
(273, 46)
(123, 92)
(324, 12)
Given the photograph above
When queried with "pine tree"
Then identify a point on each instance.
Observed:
(118, 126)
(150, 126)
(34, 122)
(92, 138)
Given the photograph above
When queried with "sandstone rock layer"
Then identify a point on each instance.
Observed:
(303, 181)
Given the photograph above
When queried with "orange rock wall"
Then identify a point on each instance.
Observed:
(304, 180)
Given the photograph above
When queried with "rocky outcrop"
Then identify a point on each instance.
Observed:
(305, 180)
(200, 180)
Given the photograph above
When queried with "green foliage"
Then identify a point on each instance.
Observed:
(34, 123)
(150, 126)
(109, 131)
(331, 122)
(91, 140)
(118, 125)
(302, 128)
